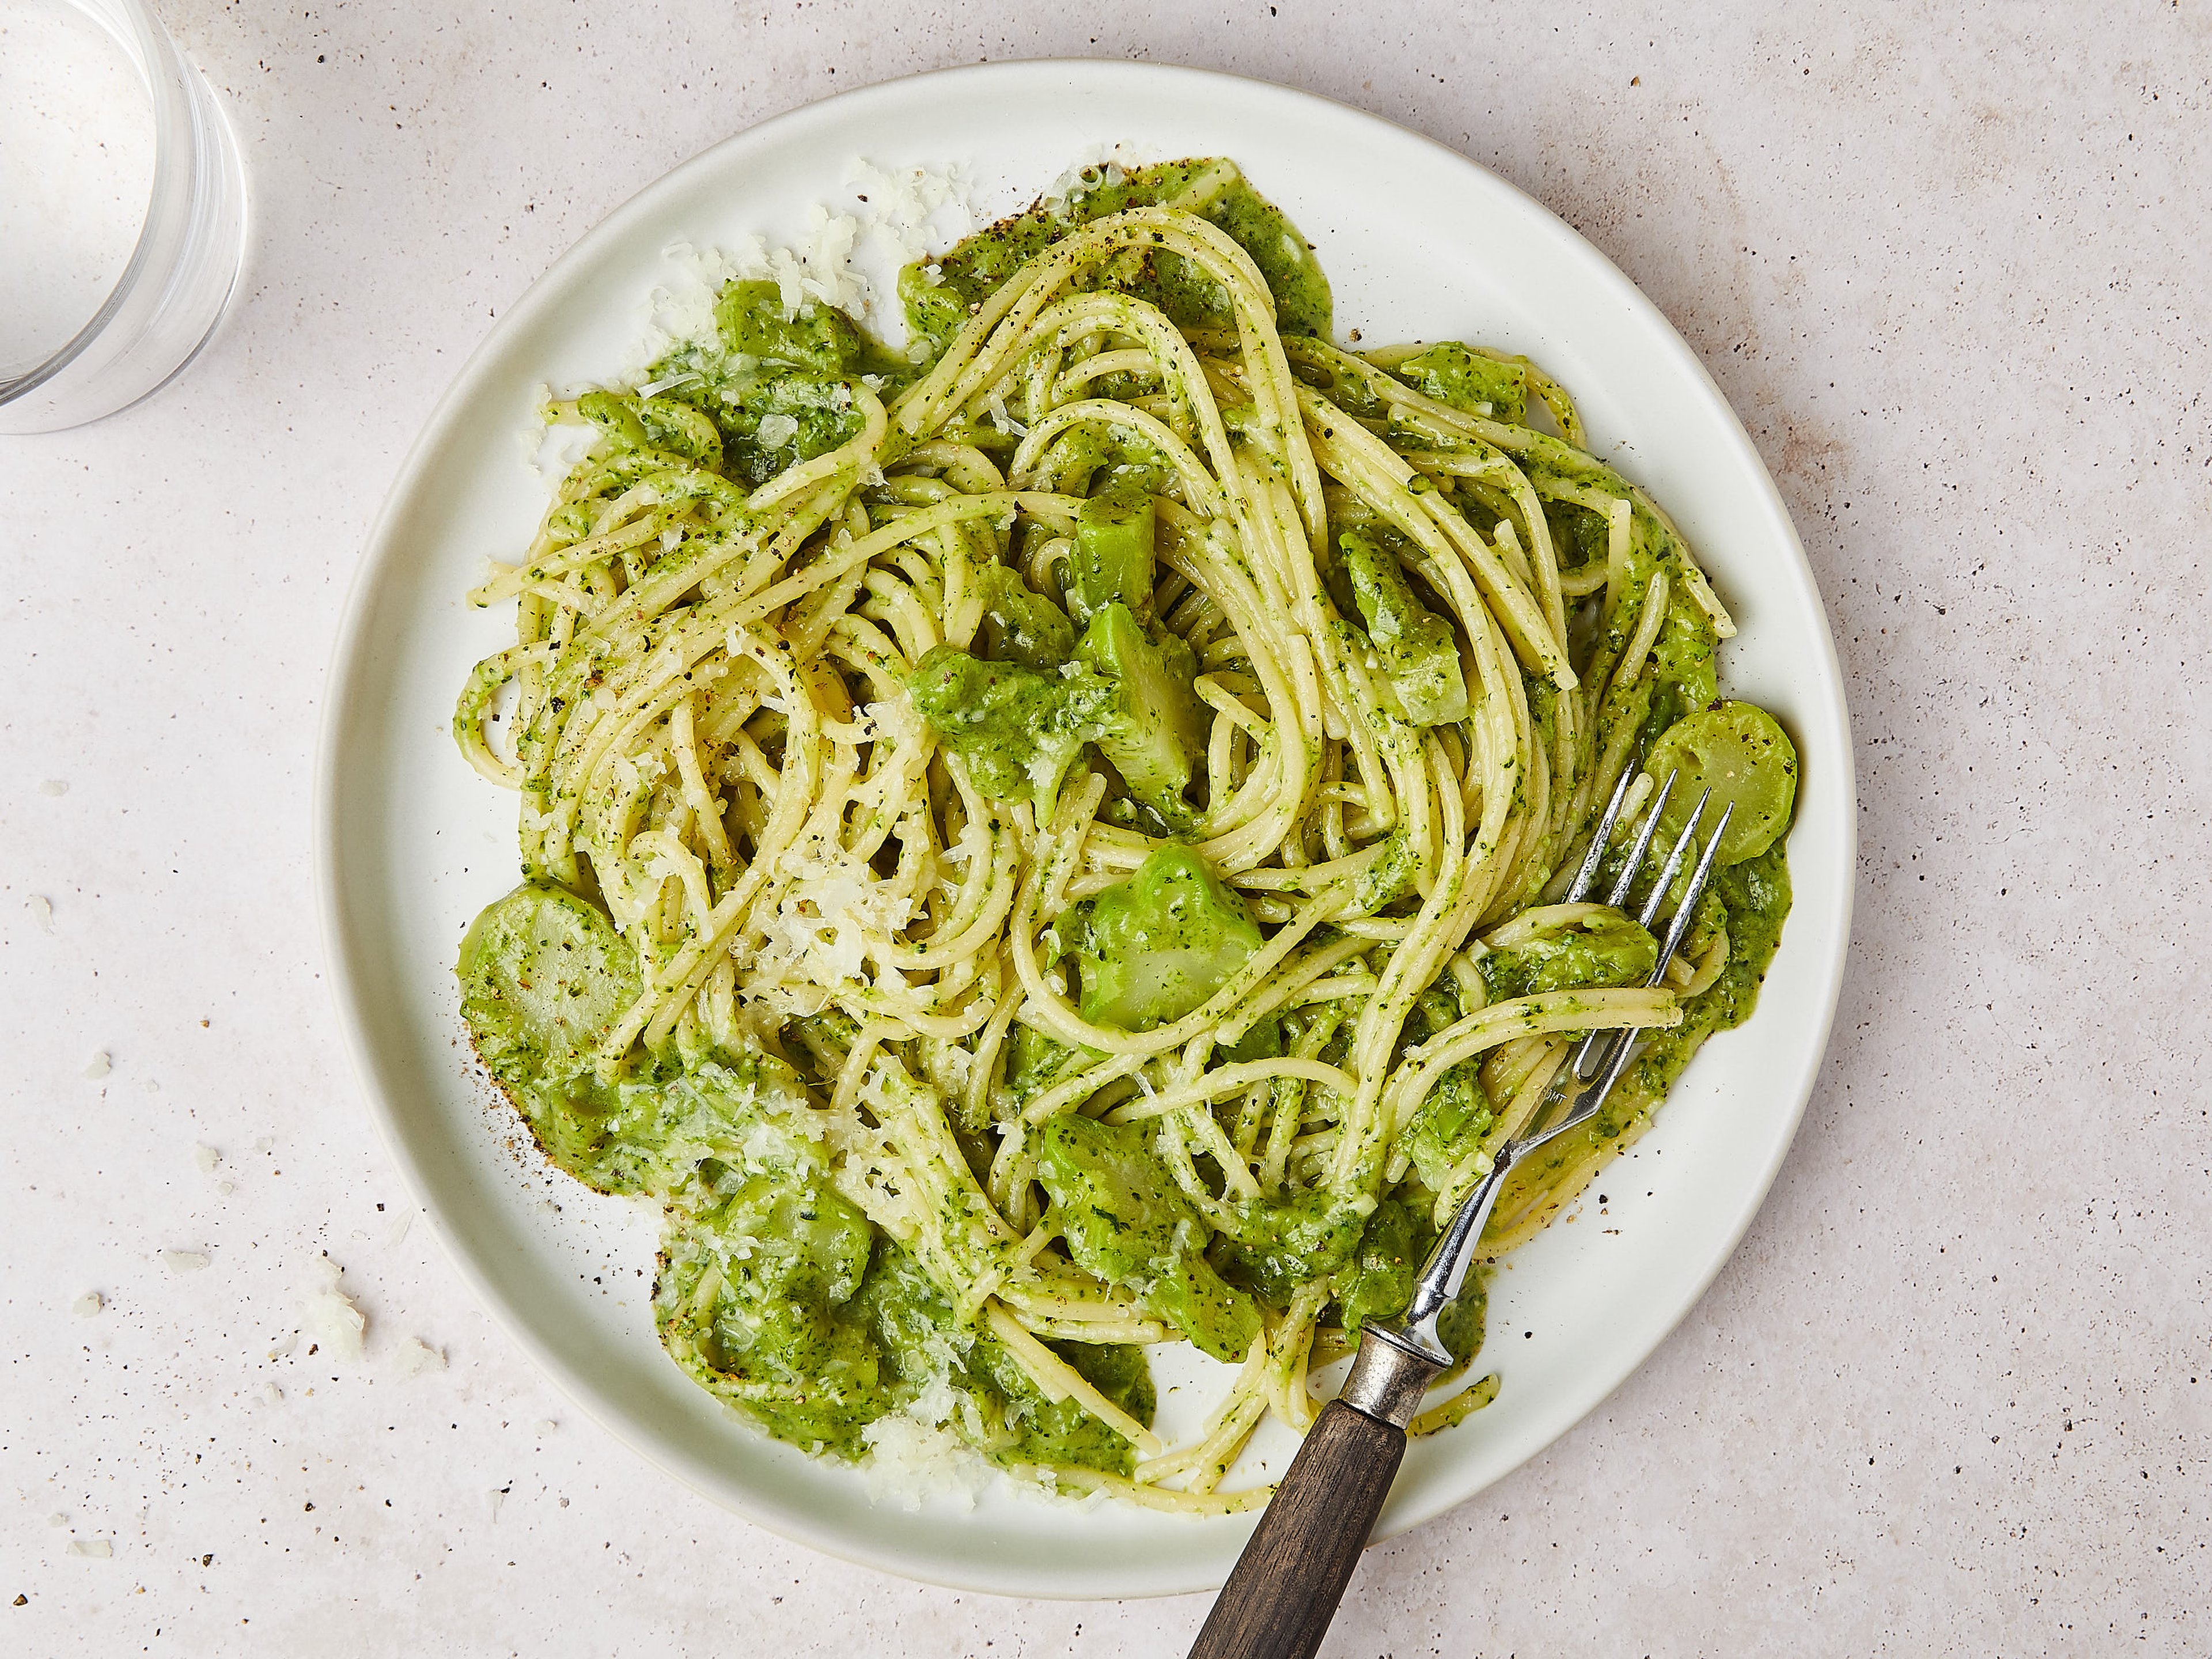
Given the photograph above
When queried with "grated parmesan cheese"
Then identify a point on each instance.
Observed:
(1109, 163)
(186, 1262)
(551, 447)
(847, 254)
(668, 383)
(42, 913)
(913, 212)
(911, 1460)
(829, 916)
(995, 405)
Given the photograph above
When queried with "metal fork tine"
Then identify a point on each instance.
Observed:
(1616, 1060)
(1600, 836)
(1583, 1062)
(1673, 867)
(1680, 924)
(1445, 1271)
(1589, 1061)
(1627, 879)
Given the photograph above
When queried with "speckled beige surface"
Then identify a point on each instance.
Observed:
(1949, 264)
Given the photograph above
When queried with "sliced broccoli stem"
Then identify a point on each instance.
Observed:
(1112, 560)
(1149, 722)
(1419, 652)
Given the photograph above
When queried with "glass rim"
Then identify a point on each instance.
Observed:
(187, 154)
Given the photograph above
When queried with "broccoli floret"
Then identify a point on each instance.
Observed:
(1449, 1124)
(1419, 651)
(1021, 625)
(664, 1124)
(757, 1300)
(779, 418)
(1020, 727)
(1146, 718)
(1001, 1412)
(1120, 1211)
(1018, 730)
(1381, 1282)
(1160, 943)
(545, 977)
(1125, 1220)
(937, 293)
(1737, 751)
(1280, 1243)
(544, 980)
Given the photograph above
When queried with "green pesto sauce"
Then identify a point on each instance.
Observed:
(774, 1292)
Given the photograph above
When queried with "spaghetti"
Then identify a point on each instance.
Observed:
(763, 652)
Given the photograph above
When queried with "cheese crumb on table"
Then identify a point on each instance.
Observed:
(328, 1317)
(414, 1356)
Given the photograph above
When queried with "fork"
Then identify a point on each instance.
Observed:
(1284, 1590)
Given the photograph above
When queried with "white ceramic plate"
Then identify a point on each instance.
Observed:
(1417, 242)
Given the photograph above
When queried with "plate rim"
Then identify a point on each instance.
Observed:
(351, 659)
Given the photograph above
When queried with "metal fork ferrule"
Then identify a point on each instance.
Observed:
(1389, 1378)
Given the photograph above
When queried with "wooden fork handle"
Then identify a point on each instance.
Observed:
(1279, 1599)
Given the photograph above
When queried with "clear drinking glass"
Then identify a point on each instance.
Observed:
(122, 210)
